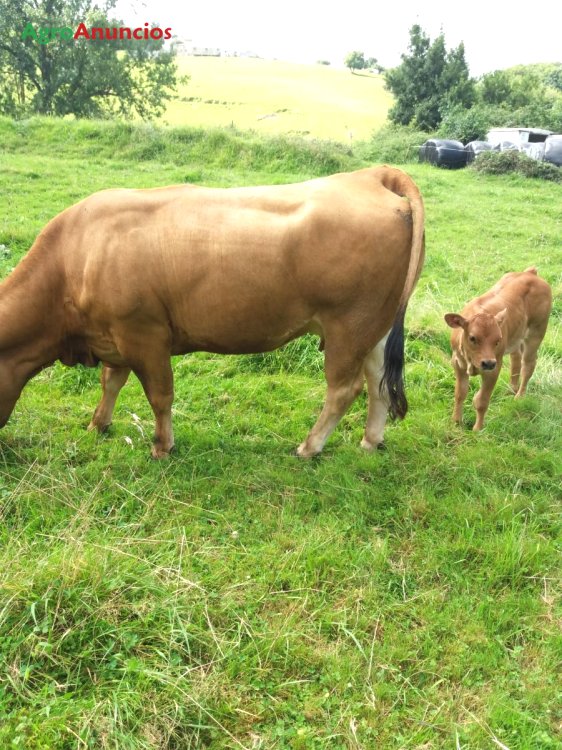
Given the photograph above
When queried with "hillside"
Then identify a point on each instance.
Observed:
(271, 96)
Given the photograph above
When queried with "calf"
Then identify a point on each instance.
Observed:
(511, 319)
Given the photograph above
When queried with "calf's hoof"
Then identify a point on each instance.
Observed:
(304, 451)
(368, 446)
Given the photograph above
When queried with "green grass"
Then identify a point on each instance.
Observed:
(234, 596)
(272, 97)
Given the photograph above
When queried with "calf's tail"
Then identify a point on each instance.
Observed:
(393, 372)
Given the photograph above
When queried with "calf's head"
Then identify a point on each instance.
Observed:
(480, 339)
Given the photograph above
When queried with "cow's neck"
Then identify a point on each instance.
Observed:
(31, 316)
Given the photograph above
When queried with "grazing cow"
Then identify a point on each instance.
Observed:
(509, 319)
(131, 277)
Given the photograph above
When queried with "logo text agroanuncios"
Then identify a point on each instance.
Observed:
(46, 34)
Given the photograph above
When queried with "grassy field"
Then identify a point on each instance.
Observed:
(235, 597)
(270, 96)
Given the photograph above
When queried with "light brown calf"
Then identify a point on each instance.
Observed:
(509, 319)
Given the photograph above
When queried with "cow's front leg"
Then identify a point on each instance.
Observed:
(112, 380)
(461, 390)
(482, 398)
(158, 383)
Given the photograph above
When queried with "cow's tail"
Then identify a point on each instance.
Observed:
(393, 377)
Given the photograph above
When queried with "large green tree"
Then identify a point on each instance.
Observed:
(428, 81)
(87, 78)
(355, 61)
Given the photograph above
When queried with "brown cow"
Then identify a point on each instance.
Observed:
(131, 277)
(509, 319)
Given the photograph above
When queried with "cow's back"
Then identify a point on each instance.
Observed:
(238, 269)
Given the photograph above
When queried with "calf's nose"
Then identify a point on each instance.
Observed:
(488, 364)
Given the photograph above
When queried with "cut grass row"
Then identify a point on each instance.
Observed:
(276, 97)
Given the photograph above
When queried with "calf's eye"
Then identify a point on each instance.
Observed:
(472, 339)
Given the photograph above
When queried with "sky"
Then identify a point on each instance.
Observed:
(496, 35)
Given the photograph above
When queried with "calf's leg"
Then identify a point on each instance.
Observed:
(482, 398)
(530, 348)
(461, 390)
(112, 380)
(515, 370)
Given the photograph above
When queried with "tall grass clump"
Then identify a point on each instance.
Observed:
(393, 144)
(218, 148)
(514, 162)
(301, 356)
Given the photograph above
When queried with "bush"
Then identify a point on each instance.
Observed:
(472, 124)
(394, 144)
(505, 162)
(467, 125)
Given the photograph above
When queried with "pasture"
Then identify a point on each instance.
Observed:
(236, 597)
(272, 96)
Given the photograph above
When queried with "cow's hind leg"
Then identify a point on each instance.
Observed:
(112, 380)
(378, 400)
(344, 375)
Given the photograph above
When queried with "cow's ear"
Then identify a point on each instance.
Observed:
(454, 320)
(500, 317)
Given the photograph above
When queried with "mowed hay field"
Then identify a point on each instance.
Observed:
(272, 96)
(236, 597)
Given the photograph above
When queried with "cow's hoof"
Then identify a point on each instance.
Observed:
(371, 447)
(158, 453)
(101, 428)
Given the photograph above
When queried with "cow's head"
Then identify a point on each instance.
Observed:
(481, 338)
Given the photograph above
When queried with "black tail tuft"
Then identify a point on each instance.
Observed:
(393, 377)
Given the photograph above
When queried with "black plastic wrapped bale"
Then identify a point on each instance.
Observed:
(553, 150)
(443, 153)
(476, 147)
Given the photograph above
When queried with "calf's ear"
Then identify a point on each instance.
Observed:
(454, 320)
(500, 317)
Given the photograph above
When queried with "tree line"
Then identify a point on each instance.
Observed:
(434, 91)
(46, 71)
